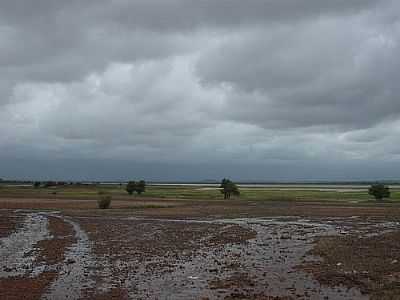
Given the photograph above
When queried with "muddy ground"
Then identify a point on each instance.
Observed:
(198, 250)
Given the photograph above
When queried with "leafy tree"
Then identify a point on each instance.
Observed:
(141, 187)
(131, 187)
(229, 188)
(379, 191)
(138, 187)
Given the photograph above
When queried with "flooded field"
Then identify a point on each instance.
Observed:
(60, 255)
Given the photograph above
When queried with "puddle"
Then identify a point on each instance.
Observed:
(17, 250)
(268, 262)
(262, 266)
(75, 275)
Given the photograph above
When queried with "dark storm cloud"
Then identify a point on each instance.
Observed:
(279, 83)
(173, 14)
(186, 15)
(322, 72)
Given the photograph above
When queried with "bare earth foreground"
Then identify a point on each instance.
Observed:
(175, 249)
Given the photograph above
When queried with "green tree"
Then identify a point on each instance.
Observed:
(379, 191)
(136, 186)
(141, 187)
(229, 188)
(131, 187)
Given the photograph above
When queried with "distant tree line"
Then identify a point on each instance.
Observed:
(47, 184)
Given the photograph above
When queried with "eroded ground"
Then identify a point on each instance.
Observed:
(190, 253)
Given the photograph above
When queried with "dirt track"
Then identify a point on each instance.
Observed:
(191, 250)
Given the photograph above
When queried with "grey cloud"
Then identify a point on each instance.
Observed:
(317, 74)
(177, 84)
(186, 15)
(151, 103)
(57, 41)
(174, 14)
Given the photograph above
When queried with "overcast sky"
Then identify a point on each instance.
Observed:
(200, 89)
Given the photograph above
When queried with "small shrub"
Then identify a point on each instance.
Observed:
(104, 202)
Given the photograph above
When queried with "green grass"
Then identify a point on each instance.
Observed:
(189, 192)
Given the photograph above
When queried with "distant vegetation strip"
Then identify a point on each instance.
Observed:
(78, 191)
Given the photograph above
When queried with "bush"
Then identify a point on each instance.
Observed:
(104, 202)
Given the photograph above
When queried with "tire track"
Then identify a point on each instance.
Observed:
(75, 275)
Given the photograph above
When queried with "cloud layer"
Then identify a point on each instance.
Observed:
(180, 85)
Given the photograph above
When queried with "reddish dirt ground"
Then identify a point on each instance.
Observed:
(170, 208)
(8, 222)
(52, 251)
(137, 250)
(147, 241)
(369, 263)
(17, 288)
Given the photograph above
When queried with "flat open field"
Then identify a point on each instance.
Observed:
(186, 242)
(312, 192)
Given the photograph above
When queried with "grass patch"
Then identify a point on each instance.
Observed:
(191, 193)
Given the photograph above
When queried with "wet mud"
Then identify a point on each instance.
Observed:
(61, 256)
(75, 273)
(17, 249)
